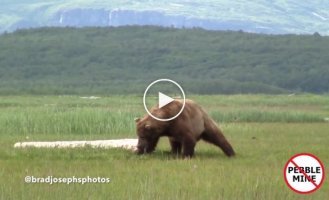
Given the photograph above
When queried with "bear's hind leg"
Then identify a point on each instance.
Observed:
(214, 136)
(176, 146)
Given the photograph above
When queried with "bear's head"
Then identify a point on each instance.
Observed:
(149, 131)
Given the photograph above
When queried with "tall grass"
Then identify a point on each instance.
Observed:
(67, 121)
(114, 115)
(110, 116)
(265, 116)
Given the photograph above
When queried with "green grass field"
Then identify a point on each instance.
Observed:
(264, 130)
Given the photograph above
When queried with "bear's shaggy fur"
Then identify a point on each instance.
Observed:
(184, 131)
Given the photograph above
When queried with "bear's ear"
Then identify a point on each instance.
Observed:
(147, 126)
(137, 119)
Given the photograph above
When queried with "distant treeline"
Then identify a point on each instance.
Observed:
(126, 59)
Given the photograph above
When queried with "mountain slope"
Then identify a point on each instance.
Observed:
(261, 16)
(126, 59)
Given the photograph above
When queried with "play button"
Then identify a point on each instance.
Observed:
(159, 94)
(164, 100)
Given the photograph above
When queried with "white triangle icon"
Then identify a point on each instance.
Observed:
(164, 100)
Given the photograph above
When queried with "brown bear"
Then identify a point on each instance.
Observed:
(184, 131)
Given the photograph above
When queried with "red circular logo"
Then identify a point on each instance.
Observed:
(304, 173)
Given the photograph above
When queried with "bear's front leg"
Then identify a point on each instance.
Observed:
(188, 147)
(176, 146)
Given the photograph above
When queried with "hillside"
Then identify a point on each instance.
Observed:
(259, 16)
(126, 59)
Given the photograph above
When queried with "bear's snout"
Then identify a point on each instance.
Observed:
(141, 146)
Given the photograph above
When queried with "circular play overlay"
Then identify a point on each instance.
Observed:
(163, 89)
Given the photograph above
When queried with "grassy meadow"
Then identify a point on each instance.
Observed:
(265, 131)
